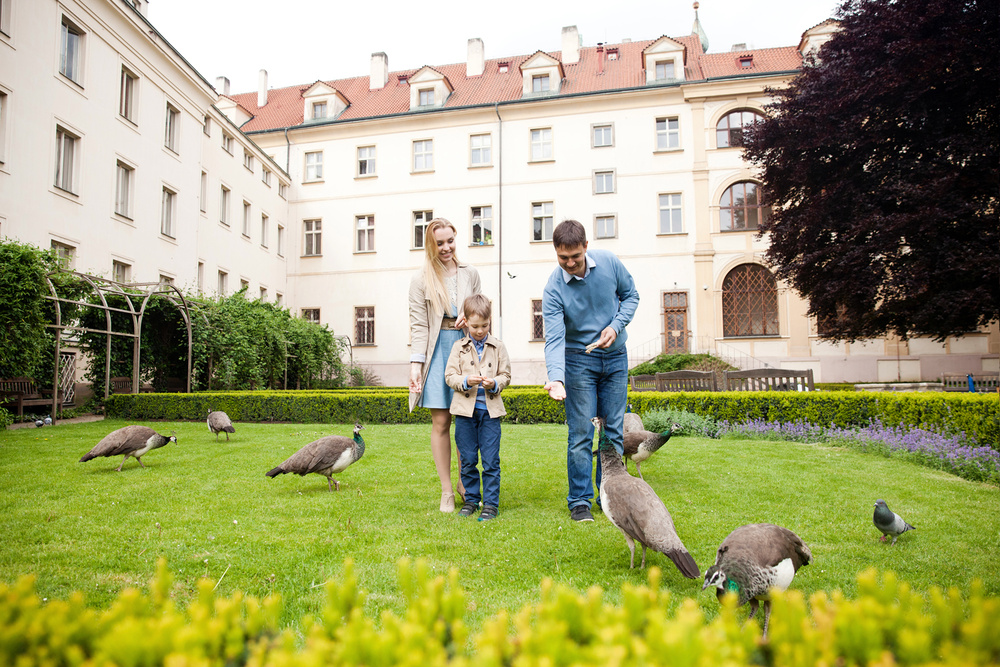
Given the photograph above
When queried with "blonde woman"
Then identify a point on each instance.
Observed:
(436, 292)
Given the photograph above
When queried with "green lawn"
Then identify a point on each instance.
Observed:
(210, 511)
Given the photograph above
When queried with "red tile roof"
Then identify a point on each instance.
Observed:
(284, 106)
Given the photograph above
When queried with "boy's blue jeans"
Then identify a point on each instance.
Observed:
(479, 436)
(596, 386)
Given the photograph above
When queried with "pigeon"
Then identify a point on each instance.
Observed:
(219, 422)
(889, 522)
(752, 560)
(326, 456)
(131, 440)
(39, 423)
(635, 509)
(48, 420)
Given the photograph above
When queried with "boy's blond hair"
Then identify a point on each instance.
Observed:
(477, 304)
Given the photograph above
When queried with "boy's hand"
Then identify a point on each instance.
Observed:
(473, 380)
(488, 383)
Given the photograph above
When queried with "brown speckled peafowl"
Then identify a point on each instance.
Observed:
(219, 422)
(326, 456)
(129, 441)
(640, 445)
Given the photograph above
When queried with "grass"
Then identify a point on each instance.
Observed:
(208, 509)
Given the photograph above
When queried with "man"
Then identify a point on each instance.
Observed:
(586, 305)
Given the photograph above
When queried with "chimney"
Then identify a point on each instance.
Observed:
(742, 46)
(222, 85)
(570, 45)
(476, 63)
(262, 88)
(380, 71)
(600, 58)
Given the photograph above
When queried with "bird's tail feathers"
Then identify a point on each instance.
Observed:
(275, 472)
(229, 429)
(86, 457)
(684, 562)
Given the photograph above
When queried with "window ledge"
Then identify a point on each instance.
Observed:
(481, 166)
(542, 161)
(421, 171)
(65, 194)
(671, 233)
(679, 149)
(309, 256)
(365, 345)
(364, 252)
(540, 241)
(365, 177)
(318, 180)
(480, 245)
(169, 239)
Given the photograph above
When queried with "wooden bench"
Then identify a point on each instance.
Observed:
(984, 382)
(686, 381)
(769, 379)
(22, 391)
(642, 382)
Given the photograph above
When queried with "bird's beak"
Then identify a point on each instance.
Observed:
(705, 585)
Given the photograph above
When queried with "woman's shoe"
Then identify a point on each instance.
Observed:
(448, 502)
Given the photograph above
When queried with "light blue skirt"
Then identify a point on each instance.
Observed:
(437, 394)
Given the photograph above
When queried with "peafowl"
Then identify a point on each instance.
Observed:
(631, 421)
(129, 441)
(219, 422)
(326, 456)
(635, 509)
(640, 445)
(752, 560)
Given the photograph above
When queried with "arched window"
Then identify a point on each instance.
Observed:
(729, 131)
(749, 302)
(742, 207)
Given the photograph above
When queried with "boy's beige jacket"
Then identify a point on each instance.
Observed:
(464, 360)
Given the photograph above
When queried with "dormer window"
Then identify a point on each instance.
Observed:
(426, 97)
(540, 83)
(664, 70)
(503, 67)
(612, 54)
(321, 102)
(664, 61)
(319, 110)
(429, 88)
(746, 62)
(403, 79)
(541, 75)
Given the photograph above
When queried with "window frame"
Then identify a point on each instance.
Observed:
(730, 132)
(280, 241)
(124, 196)
(71, 65)
(537, 321)
(598, 217)
(265, 176)
(423, 151)
(65, 254)
(543, 144)
(203, 193)
(540, 212)
(364, 316)
(227, 142)
(762, 210)
(67, 167)
(313, 167)
(247, 214)
(168, 212)
(121, 271)
(667, 134)
(481, 151)
(224, 204)
(425, 97)
(172, 128)
(249, 162)
(265, 221)
(604, 181)
(768, 315)
(541, 83)
(128, 93)
(678, 210)
(425, 217)
(594, 127)
(312, 237)
(485, 225)
(366, 164)
(664, 64)
(222, 282)
(319, 110)
(368, 232)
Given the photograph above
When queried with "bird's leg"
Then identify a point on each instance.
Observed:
(631, 549)
(140, 462)
(119, 468)
(893, 543)
(882, 539)
(767, 616)
(227, 436)
(754, 605)
(639, 470)
(336, 483)
(643, 557)
(329, 483)
(216, 436)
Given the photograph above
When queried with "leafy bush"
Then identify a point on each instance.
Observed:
(665, 363)
(6, 419)
(661, 420)
(888, 623)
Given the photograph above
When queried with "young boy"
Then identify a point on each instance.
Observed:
(478, 370)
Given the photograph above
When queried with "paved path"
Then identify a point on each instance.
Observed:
(74, 420)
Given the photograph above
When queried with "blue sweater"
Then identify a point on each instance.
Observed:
(576, 312)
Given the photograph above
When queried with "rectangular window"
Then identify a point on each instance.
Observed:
(603, 136)
(605, 227)
(541, 144)
(420, 221)
(227, 143)
(3, 125)
(203, 193)
(365, 226)
(426, 97)
(319, 110)
(167, 211)
(120, 271)
(366, 161)
(541, 220)
(311, 315)
(482, 225)
(604, 182)
(123, 189)
(667, 134)
(166, 280)
(244, 286)
(540, 83)
(248, 160)
(263, 294)
(670, 214)
(665, 70)
(172, 128)
(224, 206)
(263, 229)
(279, 300)
(423, 155)
(283, 190)
(281, 241)
(265, 176)
(246, 219)
(313, 230)
(5, 17)
(66, 254)
(201, 277)
(127, 95)
(71, 51)
(537, 321)
(223, 285)
(66, 149)
(206, 126)
(481, 150)
(364, 325)
(314, 166)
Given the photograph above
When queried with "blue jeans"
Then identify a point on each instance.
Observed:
(475, 436)
(596, 386)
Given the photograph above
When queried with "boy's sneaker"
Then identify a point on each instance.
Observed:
(467, 509)
(489, 512)
(581, 513)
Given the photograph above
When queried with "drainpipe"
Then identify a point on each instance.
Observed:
(288, 153)
(499, 219)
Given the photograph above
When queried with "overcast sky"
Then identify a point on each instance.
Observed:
(301, 41)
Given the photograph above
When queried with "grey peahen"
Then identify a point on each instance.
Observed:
(326, 456)
(752, 560)
(889, 522)
(635, 509)
(640, 445)
(129, 441)
(219, 422)
(631, 421)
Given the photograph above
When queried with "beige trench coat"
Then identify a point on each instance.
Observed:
(463, 361)
(425, 318)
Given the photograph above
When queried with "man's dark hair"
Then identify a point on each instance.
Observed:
(569, 234)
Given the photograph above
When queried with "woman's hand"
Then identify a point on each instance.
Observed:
(460, 321)
(416, 377)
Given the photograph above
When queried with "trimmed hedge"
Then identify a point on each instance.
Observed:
(887, 624)
(977, 415)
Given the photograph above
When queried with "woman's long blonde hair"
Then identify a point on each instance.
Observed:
(434, 269)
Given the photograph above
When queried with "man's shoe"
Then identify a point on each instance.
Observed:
(489, 512)
(468, 509)
(580, 513)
